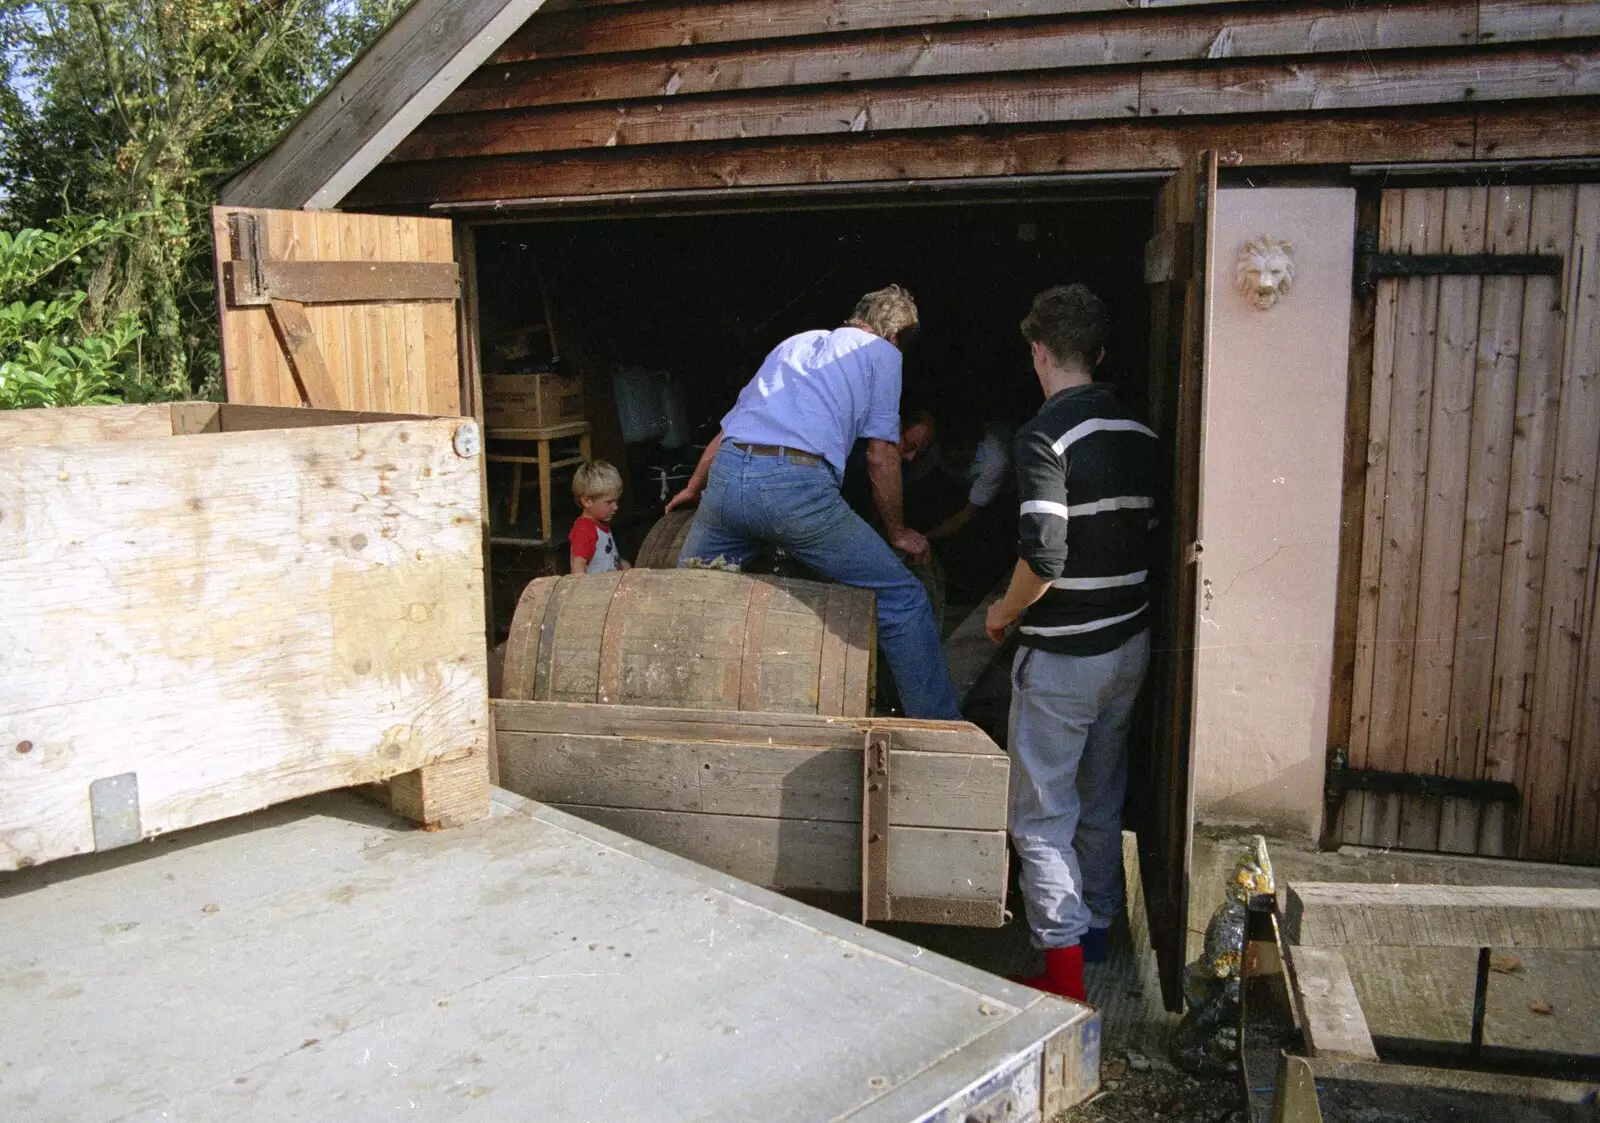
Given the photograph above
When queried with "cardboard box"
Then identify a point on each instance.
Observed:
(532, 401)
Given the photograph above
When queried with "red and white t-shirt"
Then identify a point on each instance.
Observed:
(592, 541)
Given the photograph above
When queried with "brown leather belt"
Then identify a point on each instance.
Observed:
(794, 454)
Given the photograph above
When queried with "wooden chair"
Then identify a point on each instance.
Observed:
(541, 439)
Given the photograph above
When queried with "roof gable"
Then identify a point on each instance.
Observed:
(394, 84)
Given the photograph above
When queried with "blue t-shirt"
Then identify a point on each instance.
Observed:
(819, 392)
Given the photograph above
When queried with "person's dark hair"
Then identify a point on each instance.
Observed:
(1070, 321)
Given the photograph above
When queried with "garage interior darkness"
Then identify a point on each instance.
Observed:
(706, 296)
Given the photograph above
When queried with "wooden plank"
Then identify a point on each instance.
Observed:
(1581, 842)
(448, 794)
(299, 343)
(782, 113)
(951, 790)
(992, 47)
(267, 614)
(790, 854)
(191, 418)
(1494, 413)
(1006, 99)
(1505, 21)
(1449, 443)
(1533, 448)
(1352, 1090)
(734, 726)
(249, 419)
(347, 282)
(1569, 566)
(1326, 1004)
(397, 81)
(1416, 316)
(1418, 134)
(603, 30)
(1376, 481)
(1337, 914)
(1299, 87)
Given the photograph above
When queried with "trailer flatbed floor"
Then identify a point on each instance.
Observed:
(323, 960)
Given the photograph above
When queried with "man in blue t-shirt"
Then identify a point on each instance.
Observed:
(772, 476)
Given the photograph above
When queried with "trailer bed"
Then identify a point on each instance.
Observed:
(324, 960)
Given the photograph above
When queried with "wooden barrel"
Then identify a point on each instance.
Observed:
(694, 639)
(665, 540)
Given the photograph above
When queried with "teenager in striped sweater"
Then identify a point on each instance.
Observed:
(1087, 474)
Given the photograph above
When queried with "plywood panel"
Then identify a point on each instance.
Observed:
(1445, 497)
(235, 619)
(1416, 330)
(1499, 342)
(376, 353)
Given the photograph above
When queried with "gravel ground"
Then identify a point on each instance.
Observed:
(1135, 1088)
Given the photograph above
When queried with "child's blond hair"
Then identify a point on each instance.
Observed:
(596, 479)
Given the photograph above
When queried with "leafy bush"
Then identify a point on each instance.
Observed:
(47, 356)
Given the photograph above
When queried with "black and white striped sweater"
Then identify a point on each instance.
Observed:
(1088, 473)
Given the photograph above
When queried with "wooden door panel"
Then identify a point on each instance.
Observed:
(376, 331)
(1177, 265)
(1476, 611)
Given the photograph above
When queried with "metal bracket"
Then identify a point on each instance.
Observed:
(1372, 264)
(1342, 778)
(114, 811)
(875, 901)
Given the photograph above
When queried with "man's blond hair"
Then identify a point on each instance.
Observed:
(886, 312)
(596, 479)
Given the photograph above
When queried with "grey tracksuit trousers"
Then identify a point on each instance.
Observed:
(1069, 750)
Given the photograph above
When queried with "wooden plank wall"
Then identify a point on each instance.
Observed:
(394, 356)
(1476, 633)
(668, 94)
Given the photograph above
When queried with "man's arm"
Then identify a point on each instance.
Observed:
(697, 482)
(954, 524)
(1025, 588)
(1041, 532)
(883, 467)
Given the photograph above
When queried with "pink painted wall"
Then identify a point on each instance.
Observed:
(1275, 416)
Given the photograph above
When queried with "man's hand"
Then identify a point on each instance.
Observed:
(998, 620)
(913, 545)
(690, 494)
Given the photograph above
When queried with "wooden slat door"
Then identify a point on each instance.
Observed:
(1177, 265)
(338, 311)
(1475, 652)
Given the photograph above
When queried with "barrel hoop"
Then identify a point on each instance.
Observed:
(543, 667)
(609, 686)
(755, 634)
(831, 657)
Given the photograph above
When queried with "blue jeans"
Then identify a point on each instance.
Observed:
(1069, 753)
(753, 499)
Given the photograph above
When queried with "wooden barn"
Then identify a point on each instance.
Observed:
(1380, 621)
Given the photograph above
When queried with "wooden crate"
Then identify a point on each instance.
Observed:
(208, 609)
(532, 401)
(777, 799)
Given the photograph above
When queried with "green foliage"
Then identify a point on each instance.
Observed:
(47, 358)
(142, 107)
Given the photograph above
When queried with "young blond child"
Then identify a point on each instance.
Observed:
(597, 486)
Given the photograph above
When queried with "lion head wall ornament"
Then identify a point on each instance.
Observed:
(1266, 271)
